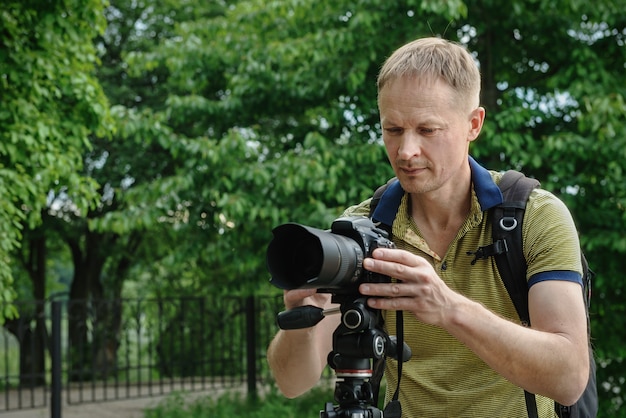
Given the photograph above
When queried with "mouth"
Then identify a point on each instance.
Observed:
(412, 171)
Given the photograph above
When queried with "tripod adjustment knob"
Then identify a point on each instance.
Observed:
(379, 346)
(353, 319)
(358, 317)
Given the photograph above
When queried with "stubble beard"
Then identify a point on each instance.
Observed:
(423, 183)
(417, 186)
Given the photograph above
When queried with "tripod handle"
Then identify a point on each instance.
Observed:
(302, 317)
(393, 349)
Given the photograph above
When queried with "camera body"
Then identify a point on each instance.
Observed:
(301, 257)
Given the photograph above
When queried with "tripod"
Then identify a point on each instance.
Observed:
(358, 341)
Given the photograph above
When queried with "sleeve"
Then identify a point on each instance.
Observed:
(551, 244)
(362, 209)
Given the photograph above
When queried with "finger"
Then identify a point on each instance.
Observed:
(391, 304)
(296, 297)
(397, 256)
(401, 270)
(385, 290)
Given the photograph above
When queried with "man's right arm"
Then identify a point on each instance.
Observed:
(298, 357)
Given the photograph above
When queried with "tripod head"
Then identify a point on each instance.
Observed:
(358, 341)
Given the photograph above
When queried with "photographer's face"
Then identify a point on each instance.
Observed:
(426, 132)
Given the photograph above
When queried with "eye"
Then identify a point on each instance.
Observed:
(428, 131)
(394, 130)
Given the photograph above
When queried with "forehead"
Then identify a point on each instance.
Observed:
(406, 93)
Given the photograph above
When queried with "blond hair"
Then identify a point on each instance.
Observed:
(432, 59)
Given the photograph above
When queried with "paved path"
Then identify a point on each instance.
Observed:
(130, 408)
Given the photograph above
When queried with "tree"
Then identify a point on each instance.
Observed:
(249, 114)
(288, 87)
(51, 105)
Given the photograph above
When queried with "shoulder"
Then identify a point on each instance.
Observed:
(544, 210)
(361, 209)
(549, 235)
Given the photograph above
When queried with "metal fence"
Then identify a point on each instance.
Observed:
(76, 352)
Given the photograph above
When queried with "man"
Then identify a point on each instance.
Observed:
(471, 356)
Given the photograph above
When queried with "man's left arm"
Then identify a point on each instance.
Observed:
(557, 307)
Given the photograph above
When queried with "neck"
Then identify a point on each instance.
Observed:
(439, 216)
(440, 212)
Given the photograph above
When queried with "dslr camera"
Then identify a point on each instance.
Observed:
(302, 257)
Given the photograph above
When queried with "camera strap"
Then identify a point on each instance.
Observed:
(393, 408)
(383, 217)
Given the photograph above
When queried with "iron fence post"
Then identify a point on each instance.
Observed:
(251, 346)
(55, 355)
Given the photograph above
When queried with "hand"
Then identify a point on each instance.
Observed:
(419, 290)
(301, 297)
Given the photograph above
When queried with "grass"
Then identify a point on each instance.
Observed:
(9, 360)
(271, 405)
(235, 404)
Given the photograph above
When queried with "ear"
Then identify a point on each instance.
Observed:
(476, 119)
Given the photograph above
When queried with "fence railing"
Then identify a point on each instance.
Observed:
(76, 351)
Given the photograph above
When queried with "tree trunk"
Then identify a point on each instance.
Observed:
(30, 328)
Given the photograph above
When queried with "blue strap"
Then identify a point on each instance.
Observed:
(488, 193)
(387, 208)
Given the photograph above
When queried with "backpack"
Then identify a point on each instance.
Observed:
(506, 220)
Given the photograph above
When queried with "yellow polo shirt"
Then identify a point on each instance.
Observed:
(444, 378)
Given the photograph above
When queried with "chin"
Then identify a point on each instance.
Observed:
(414, 186)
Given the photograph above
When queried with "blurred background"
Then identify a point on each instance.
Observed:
(148, 148)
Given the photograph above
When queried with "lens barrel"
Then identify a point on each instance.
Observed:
(302, 257)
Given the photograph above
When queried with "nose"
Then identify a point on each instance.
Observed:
(410, 146)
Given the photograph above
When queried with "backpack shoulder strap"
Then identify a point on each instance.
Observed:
(506, 220)
(384, 210)
(506, 226)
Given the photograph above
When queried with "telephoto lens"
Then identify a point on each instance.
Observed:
(302, 257)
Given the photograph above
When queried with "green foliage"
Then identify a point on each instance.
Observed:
(270, 405)
(232, 117)
(51, 103)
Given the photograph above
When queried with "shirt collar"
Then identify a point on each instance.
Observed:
(487, 192)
